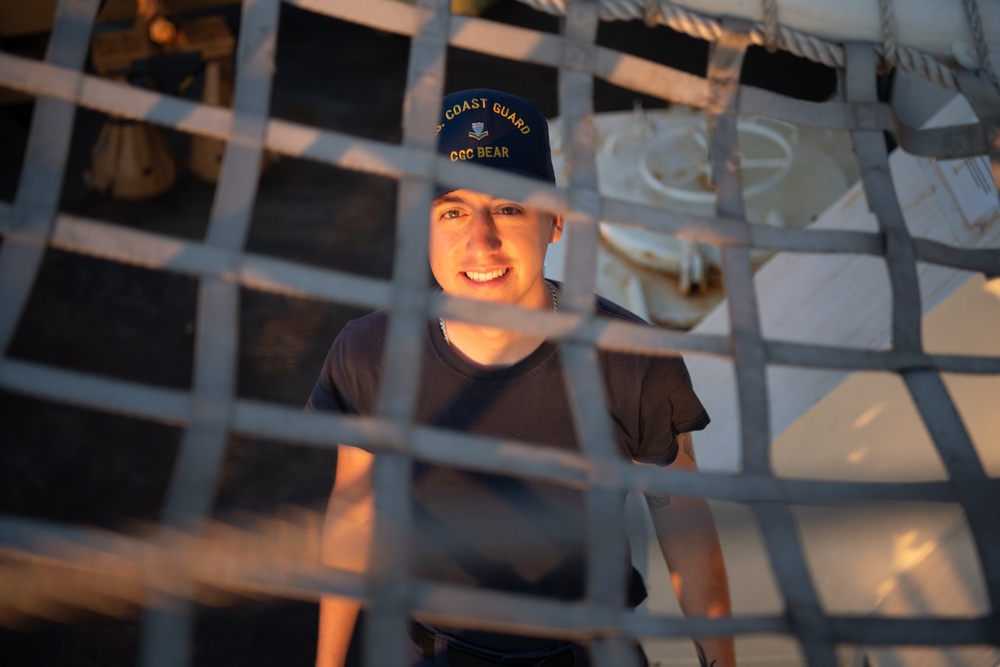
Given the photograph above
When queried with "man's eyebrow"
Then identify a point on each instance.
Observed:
(448, 198)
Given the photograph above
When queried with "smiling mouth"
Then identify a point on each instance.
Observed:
(485, 277)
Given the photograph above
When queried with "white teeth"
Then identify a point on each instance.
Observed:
(483, 277)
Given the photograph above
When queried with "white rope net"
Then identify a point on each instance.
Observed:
(94, 569)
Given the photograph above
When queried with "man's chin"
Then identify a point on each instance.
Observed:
(482, 295)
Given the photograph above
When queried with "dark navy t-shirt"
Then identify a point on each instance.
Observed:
(496, 531)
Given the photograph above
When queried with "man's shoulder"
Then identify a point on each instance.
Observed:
(349, 379)
(607, 308)
(373, 322)
(365, 333)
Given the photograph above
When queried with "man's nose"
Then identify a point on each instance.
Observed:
(483, 235)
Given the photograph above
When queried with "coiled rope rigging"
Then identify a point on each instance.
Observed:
(771, 35)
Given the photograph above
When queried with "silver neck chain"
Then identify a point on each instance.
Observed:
(555, 308)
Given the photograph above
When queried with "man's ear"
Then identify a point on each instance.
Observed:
(557, 228)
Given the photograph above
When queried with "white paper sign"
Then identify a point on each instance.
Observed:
(971, 184)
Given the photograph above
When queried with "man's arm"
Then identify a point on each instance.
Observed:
(347, 532)
(690, 544)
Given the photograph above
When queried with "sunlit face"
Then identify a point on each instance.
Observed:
(491, 249)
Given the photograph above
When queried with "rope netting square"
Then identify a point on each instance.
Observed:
(167, 565)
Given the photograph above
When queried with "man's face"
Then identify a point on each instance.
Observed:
(490, 249)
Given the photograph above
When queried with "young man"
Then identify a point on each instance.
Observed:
(490, 530)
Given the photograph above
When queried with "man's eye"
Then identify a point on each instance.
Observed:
(509, 210)
(451, 213)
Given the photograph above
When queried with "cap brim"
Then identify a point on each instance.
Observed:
(440, 190)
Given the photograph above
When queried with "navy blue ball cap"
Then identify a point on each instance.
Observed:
(498, 130)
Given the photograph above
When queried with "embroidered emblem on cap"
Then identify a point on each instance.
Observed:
(477, 131)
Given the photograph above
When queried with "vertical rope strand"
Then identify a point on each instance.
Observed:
(770, 8)
(887, 19)
(975, 19)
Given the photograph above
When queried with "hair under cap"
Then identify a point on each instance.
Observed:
(498, 130)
